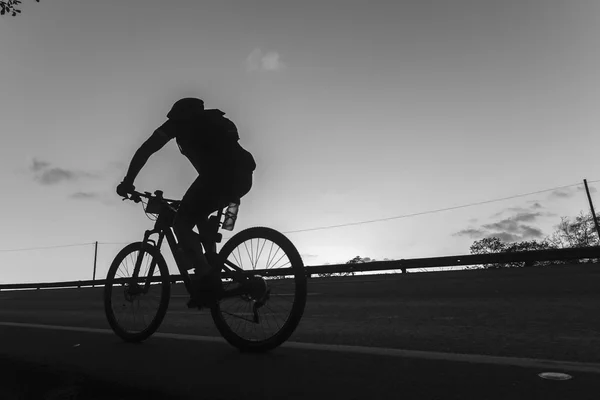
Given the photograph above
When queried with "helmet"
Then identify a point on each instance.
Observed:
(186, 108)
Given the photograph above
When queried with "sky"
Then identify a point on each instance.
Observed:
(354, 111)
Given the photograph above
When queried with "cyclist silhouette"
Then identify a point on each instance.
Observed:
(210, 142)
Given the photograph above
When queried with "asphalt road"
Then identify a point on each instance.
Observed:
(548, 313)
(97, 365)
(410, 327)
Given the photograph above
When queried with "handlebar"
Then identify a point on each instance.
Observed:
(137, 197)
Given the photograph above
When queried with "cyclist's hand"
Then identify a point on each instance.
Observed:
(124, 189)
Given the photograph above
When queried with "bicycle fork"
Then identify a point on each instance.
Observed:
(135, 288)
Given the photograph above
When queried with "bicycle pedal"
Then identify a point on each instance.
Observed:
(202, 300)
(200, 306)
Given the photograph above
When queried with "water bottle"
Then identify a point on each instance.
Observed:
(230, 216)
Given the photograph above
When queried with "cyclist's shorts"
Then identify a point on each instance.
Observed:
(210, 193)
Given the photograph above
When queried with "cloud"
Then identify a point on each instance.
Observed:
(55, 175)
(472, 233)
(510, 229)
(506, 229)
(46, 175)
(507, 225)
(85, 195)
(566, 193)
(527, 216)
(259, 61)
(511, 224)
(521, 210)
(525, 233)
(537, 206)
(506, 237)
(531, 232)
(561, 194)
(582, 189)
(108, 199)
(509, 209)
(39, 165)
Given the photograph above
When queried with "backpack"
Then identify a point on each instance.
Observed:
(218, 136)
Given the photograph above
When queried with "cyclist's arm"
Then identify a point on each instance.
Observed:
(154, 143)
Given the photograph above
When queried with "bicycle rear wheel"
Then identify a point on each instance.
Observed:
(126, 299)
(267, 317)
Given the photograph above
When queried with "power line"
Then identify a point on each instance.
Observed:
(435, 211)
(47, 247)
(341, 225)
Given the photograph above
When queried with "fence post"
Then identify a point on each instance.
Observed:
(95, 258)
(592, 208)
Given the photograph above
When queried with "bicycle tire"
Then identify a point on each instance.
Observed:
(299, 303)
(164, 299)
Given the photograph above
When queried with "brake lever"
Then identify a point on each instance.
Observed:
(133, 197)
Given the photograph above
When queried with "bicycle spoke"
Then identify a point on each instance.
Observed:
(237, 316)
(283, 255)
(277, 314)
(240, 255)
(286, 263)
(278, 327)
(237, 261)
(249, 255)
(252, 256)
(261, 250)
(136, 302)
(270, 252)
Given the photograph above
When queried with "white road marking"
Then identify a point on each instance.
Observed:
(187, 296)
(377, 351)
(110, 332)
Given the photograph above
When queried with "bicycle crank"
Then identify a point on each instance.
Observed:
(131, 292)
(259, 303)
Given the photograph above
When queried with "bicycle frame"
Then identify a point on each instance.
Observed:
(163, 228)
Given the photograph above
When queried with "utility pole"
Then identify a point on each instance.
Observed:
(592, 208)
(95, 258)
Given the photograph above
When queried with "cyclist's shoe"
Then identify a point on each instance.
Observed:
(206, 290)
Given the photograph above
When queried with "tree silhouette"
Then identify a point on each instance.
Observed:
(355, 260)
(569, 234)
(488, 245)
(578, 233)
(10, 7)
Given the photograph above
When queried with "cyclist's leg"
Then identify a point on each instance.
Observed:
(195, 206)
(230, 187)
(206, 195)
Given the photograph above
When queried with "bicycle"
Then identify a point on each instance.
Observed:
(255, 291)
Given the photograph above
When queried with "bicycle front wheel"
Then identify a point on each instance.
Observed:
(135, 308)
(267, 316)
